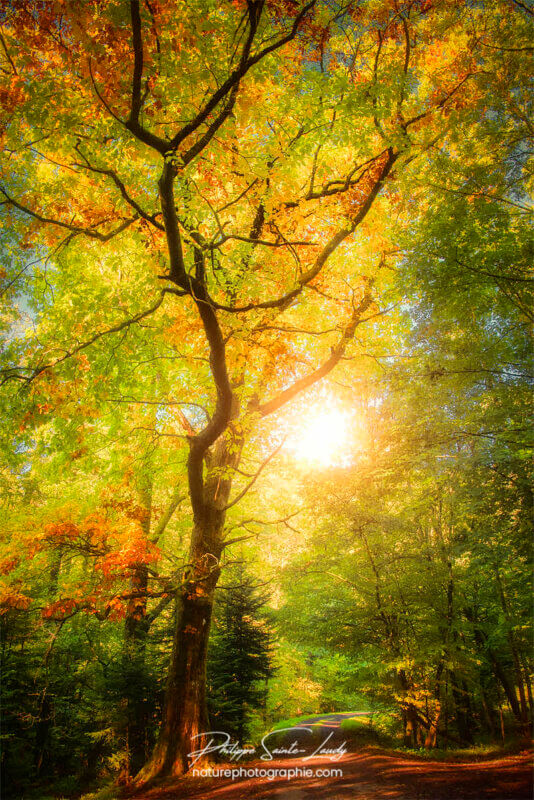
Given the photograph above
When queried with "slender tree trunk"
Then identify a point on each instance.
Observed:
(528, 684)
(134, 649)
(515, 655)
(405, 737)
(501, 717)
(41, 734)
(488, 712)
(508, 688)
(44, 721)
(446, 732)
(498, 670)
(241, 725)
(519, 682)
(461, 710)
(431, 739)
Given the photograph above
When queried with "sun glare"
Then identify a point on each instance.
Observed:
(323, 439)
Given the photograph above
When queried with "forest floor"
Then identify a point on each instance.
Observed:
(367, 773)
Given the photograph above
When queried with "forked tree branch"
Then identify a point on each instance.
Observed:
(132, 123)
(228, 88)
(284, 300)
(231, 84)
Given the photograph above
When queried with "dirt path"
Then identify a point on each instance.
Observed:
(323, 728)
(366, 775)
(334, 719)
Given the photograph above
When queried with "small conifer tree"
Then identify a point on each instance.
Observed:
(240, 655)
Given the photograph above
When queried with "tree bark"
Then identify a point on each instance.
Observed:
(488, 712)
(498, 669)
(185, 711)
(528, 684)
(523, 717)
(462, 711)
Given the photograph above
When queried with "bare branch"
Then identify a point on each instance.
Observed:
(98, 93)
(239, 539)
(495, 275)
(444, 100)
(161, 606)
(263, 242)
(244, 523)
(523, 6)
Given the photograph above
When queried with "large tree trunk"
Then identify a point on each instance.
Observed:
(488, 713)
(431, 739)
(185, 712)
(502, 677)
(411, 726)
(185, 703)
